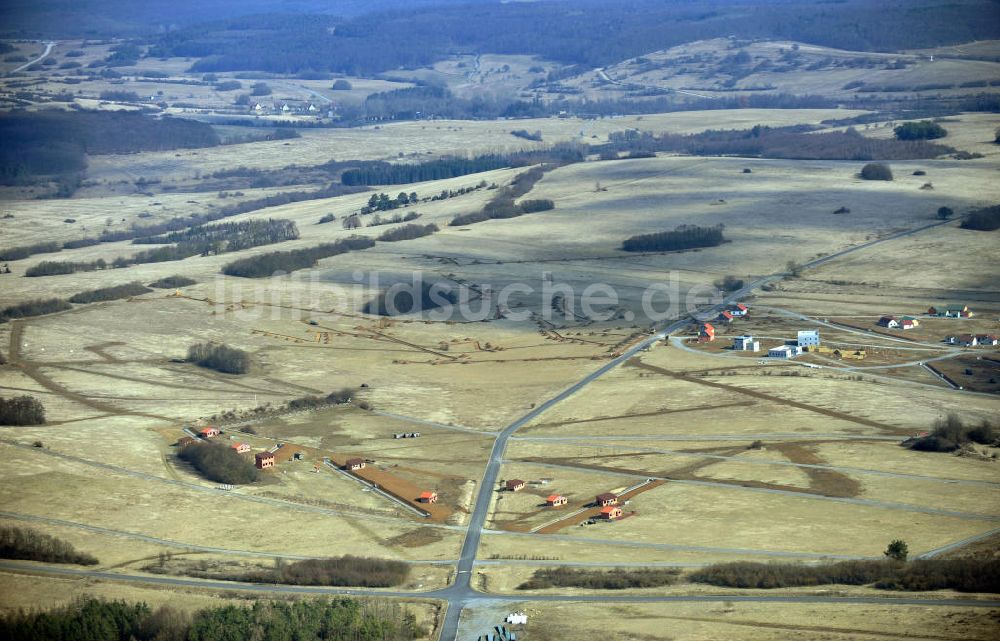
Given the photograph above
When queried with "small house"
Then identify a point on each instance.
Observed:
(908, 323)
(955, 310)
(556, 500)
(966, 340)
(264, 460)
(889, 322)
(611, 512)
(428, 497)
(987, 339)
(240, 448)
(515, 485)
(783, 351)
(209, 432)
(354, 464)
(605, 499)
(706, 333)
(808, 338)
(516, 618)
(738, 310)
(746, 344)
(725, 316)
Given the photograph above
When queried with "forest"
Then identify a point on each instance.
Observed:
(31, 545)
(54, 143)
(588, 32)
(219, 463)
(90, 619)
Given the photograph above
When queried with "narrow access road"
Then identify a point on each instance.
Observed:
(49, 46)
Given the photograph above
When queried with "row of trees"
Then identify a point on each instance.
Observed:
(173, 282)
(92, 619)
(615, 579)
(201, 240)
(21, 410)
(24, 251)
(219, 463)
(36, 307)
(407, 232)
(383, 173)
(504, 205)
(221, 358)
(266, 265)
(114, 292)
(683, 237)
(353, 571)
(963, 575)
(31, 545)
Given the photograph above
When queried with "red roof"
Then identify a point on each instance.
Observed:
(428, 495)
(263, 455)
(727, 315)
(707, 328)
(611, 509)
(606, 496)
(554, 497)
(741, 307)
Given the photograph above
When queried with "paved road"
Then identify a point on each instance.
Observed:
(48, 49)
(447, 593)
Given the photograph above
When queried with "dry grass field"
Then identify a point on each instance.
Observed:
(723, 456)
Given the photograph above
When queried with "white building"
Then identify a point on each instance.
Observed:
(516, 618)
(784, 351)
(808, 338)
(746, 344)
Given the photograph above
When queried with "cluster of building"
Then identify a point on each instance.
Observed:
(891, 322)
(955, 310)
(972, 340)
(706, 332)
(805, 340)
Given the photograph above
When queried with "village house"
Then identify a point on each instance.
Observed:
(605, 499)
(240, 448)
(706, 333)
(555, 500)
(784, 351)
(611, 512)
(888, 321)
(725, 316)
(746, 344)
(264, 460)
(908, 322)
(739, 310)
(808, 338)
(428, 497)
(956, 310)
(987, 339)
(965, 340)
(515, 485)
(209, 432)
(354, 464)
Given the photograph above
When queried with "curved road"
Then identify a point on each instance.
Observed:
(49, 46)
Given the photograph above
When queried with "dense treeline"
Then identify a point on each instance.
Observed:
(407, 232)
(383, 173)
(24, 251)
(55, 143)
(923, 130)
(795, 143)
(378, 221)
(36, 307)
(221, 358)
(115, 292)
(31, 545)
(348, 570)
(201, 240)
(951, 433)
(683, 237)
(407, 301)
(266, 265)
(963, 575)
(589, 32)
(219, 463)
(21, 410)
(986, 219)
(503, 204)
(616, 579)
(337, 619)
(173, 282)
(335, 397)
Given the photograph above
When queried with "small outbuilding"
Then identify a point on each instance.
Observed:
(264, 460)
(556, 500)
(606, 498)
(240, 448)
(889, 322)
(354, 464)
(514, 485)
(428, 497)
(611, 512)
(746, 344)
(706, 333)
(209, 432)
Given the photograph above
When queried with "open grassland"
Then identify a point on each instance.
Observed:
(756, 621)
